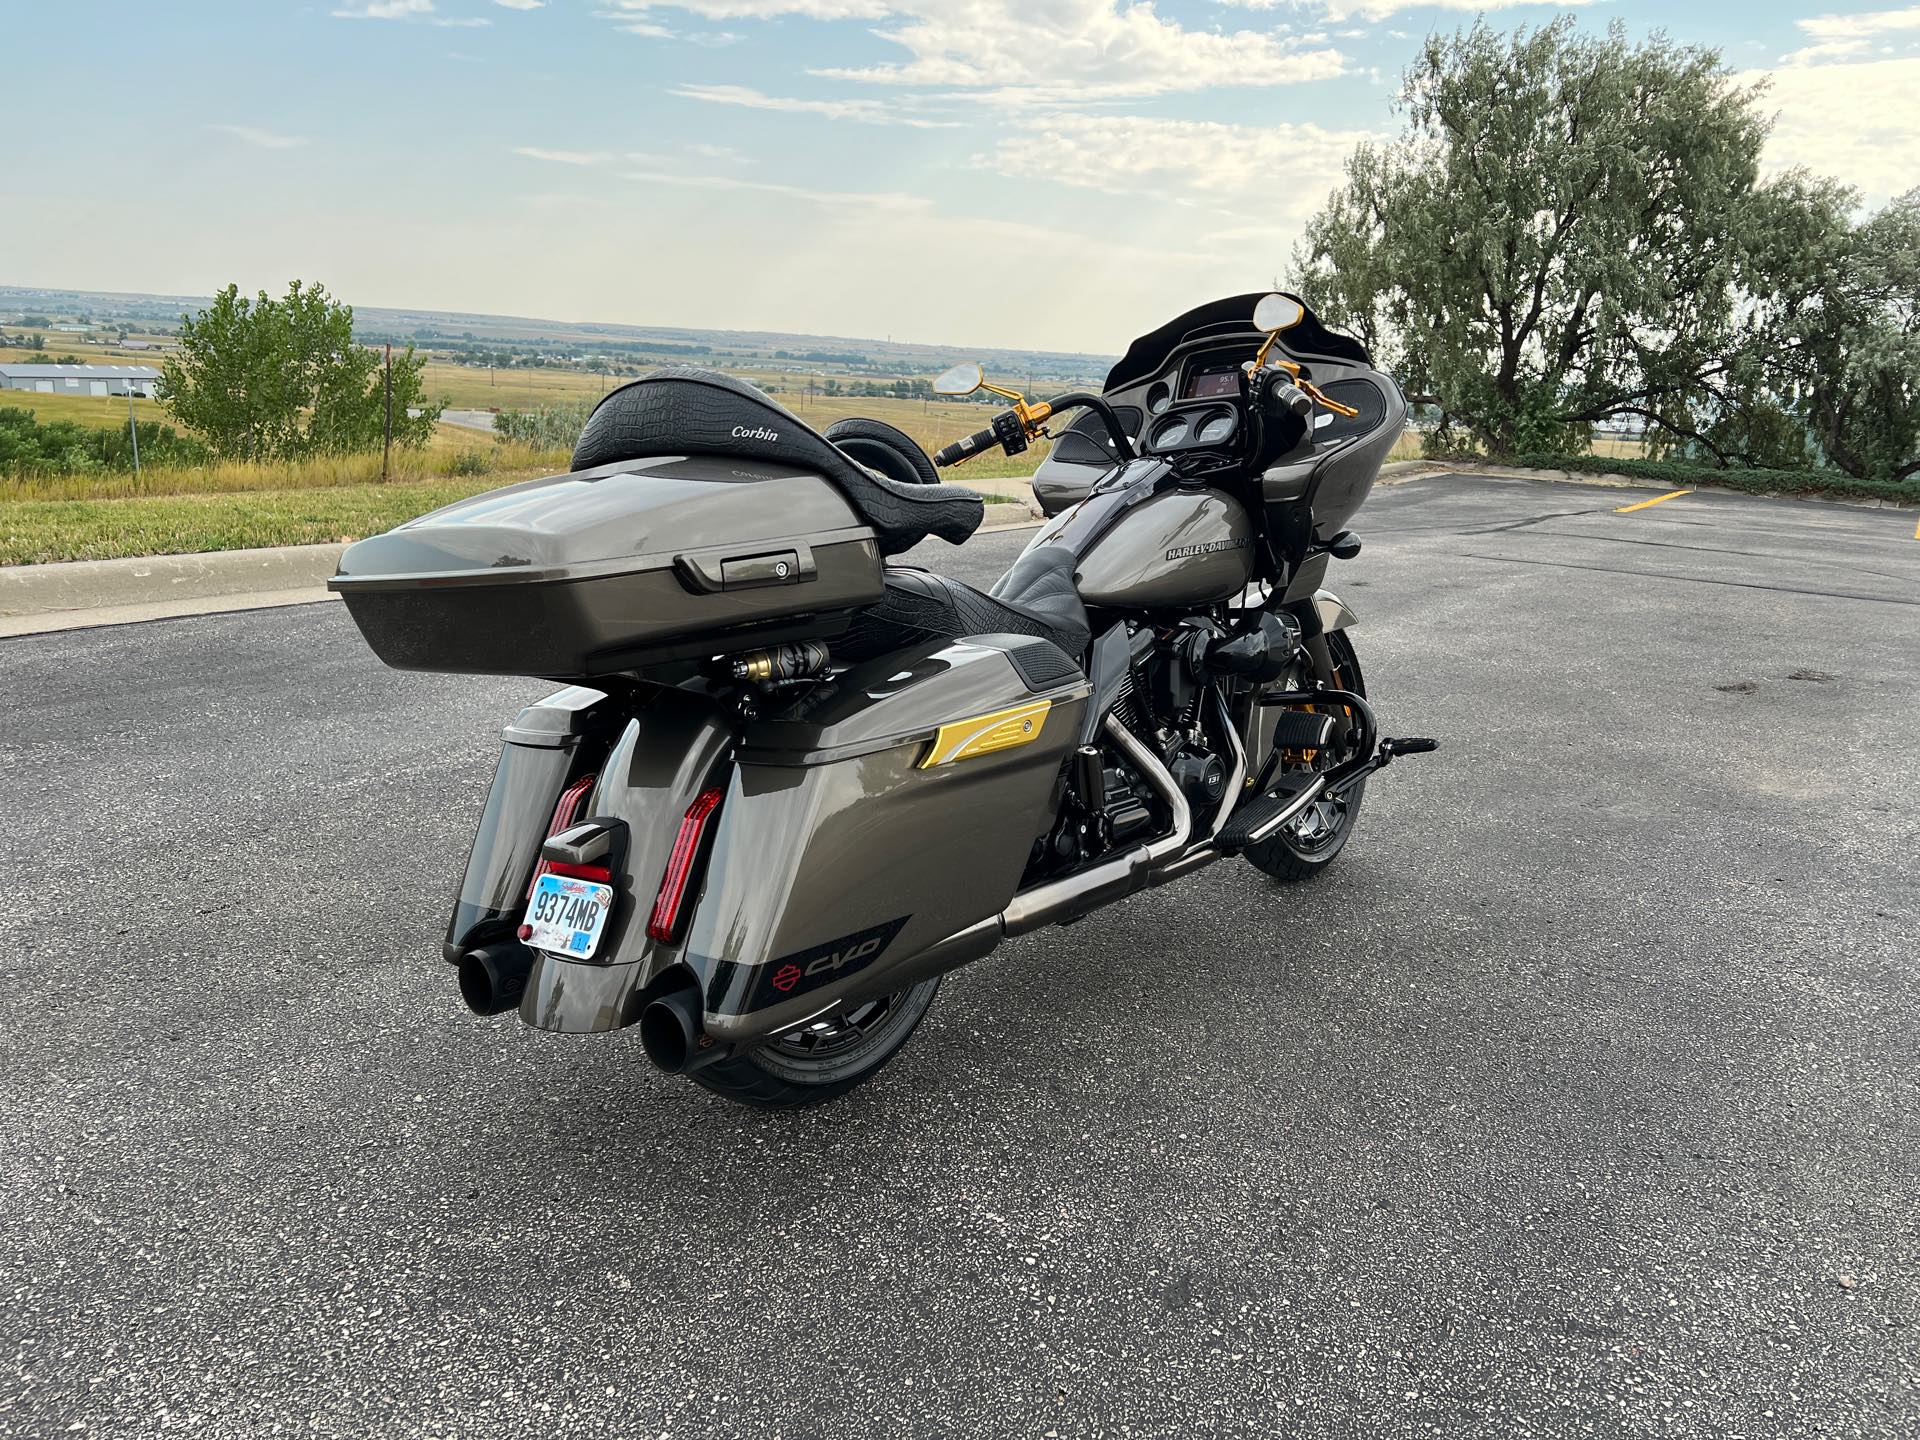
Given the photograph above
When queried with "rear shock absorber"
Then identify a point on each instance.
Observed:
(794, 661)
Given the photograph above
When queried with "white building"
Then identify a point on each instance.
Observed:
(80, 379)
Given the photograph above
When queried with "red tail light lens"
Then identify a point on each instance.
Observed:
(665, 920)
(565, 814)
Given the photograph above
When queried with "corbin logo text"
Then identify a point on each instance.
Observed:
(755, 432)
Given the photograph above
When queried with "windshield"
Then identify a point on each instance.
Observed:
(1230, 317)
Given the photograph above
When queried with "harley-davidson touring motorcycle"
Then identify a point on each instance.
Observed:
(789, 784)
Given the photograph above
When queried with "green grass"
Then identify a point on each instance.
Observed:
(37, 531)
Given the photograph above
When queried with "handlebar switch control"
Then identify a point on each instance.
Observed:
(1011, 431)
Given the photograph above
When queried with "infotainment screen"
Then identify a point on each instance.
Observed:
(1214, 380)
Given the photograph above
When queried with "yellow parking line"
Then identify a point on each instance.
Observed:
(1916, 532)
(1657, 500)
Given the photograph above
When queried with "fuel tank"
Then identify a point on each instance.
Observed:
(1180, 547)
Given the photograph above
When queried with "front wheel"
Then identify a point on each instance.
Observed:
(1309, 843)
(826, 1057)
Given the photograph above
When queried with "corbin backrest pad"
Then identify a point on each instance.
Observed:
(683, 410)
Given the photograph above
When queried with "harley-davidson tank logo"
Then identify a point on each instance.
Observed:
(1181, 552)
(820, 965)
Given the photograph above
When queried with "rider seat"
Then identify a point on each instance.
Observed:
(1036, 597)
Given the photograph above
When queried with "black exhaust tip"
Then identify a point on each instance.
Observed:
(671, 1030)
(494, 977)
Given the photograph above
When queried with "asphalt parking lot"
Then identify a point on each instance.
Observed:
(1582, 1097)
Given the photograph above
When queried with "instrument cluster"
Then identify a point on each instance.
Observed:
(1193, 427)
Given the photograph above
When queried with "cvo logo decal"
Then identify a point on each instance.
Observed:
(754, 432)
(821, 965)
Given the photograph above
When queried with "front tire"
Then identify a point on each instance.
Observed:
(825, 1058)
(1312, 841)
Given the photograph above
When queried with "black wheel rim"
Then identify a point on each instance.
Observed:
(838, 1032)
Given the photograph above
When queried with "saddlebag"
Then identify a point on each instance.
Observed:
(879, 816)
(616, 568)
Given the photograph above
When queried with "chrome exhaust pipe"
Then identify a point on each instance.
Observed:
(494, 977)
(1154, 863)
(1077, 894)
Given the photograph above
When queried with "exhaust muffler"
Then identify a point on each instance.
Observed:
(494, 977)
(673, 1031)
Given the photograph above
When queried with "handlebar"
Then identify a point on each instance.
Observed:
(1282, 391)
(1010, 428)
(965, 449)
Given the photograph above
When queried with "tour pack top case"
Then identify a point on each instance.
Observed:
(718, 522)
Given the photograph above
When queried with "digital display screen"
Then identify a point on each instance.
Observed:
(1209, 384)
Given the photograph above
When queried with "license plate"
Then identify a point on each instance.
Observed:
(567, 915)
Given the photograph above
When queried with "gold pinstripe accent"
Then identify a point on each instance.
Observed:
(984, 734)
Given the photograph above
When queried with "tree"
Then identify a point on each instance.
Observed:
(1559, 236)
(279, 379)
(1838, 349)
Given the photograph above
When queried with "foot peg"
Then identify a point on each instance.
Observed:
(1256, 820)
(1412, 745)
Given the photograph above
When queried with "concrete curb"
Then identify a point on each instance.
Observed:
(158, 579)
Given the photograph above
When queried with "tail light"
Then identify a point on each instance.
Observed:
(663, 924)
(566, 812)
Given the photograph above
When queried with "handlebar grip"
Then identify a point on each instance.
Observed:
(966, 449)
(1283, 392)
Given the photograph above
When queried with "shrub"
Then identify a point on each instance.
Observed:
(550, 427)
(470, 462)
(1682, 474)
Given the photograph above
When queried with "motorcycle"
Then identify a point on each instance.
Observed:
(788, 785)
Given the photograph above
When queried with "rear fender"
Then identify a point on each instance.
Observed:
(674, 748)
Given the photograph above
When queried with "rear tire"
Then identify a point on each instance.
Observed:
(1311, 842)
(825, 1058)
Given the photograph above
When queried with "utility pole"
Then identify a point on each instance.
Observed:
(133, 433)
(386, 452)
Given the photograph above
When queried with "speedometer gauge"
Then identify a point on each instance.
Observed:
(1170, 433)
(1216, 428)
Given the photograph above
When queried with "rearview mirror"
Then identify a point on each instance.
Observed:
(1277, 312)
(960, 380)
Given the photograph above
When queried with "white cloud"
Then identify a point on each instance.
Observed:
(1856, 122)
(386, 10)
(754, 9)
(1035, 51)
(563, 157)
(1339, 10)
(1277, 174)
(1837, 37)
(836, 199)
(421, 10)
(862, 111)
(520, 4)
(265, 139)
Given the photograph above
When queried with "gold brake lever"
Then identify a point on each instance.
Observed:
(1318, 394)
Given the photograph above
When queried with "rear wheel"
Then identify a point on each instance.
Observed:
(1308, 843)
(826, 1057)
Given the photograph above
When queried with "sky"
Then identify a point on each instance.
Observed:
(1051, 174)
